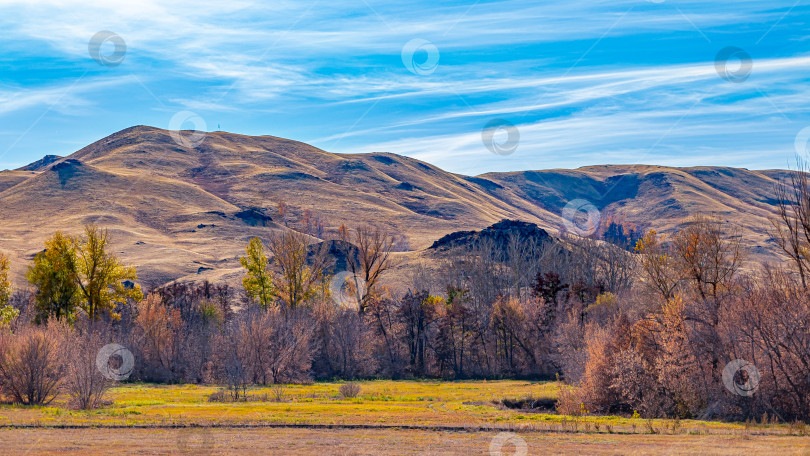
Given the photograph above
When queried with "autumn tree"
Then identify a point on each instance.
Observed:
(657, 265)
(708, 255)
(370, 260)
(258, 282)
(7, 312)
(53, 274)
(676, 361)
(298, 275)
(513, 339)
(101, 276)
(5, 283)
(157, 327)
(81, 273)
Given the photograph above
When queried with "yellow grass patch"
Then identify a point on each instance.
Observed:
(380, 402)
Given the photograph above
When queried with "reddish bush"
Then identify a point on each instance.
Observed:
(31, 365)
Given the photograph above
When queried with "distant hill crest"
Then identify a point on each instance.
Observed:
(186, 212)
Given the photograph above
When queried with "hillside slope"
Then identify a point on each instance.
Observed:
(186, 212)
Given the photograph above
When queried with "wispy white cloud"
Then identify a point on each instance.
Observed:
(63, 98)
(580, 78)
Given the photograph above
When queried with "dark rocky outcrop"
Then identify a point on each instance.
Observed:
(253, 217)
(337, 250)
(67, 169)
(41, 164)
(499, 234)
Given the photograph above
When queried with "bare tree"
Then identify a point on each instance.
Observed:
(370, 260)
(308, 222)
(84, 383)
(263, 347)
(658, 266)
(524, 256)
(708, 255)
(455, 333)
(348, 345)
(419, 312)
(383, 316)
(792, 226)
(283, 212)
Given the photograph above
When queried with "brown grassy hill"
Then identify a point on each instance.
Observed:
(186, 212)
(656, 197)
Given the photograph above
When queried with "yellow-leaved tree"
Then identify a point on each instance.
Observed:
(53, 275)
(299, 269)
(7, 312)
(5, 283)
(103, 280)
(258, 282)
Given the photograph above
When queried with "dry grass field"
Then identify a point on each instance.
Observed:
(395, 417)
(347, 442)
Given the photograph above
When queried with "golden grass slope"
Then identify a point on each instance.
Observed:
(173, 211)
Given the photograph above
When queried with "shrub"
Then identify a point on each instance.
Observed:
(31, 365)
(349, 390)
(84, 383)
(220, 396)
(226, 395)
(278, 392)
(569, 401)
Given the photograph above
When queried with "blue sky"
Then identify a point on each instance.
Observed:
(583, 82)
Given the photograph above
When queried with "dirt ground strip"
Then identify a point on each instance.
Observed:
(228, 441)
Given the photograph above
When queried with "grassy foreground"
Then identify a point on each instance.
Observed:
(231, 441)
(448, 418)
